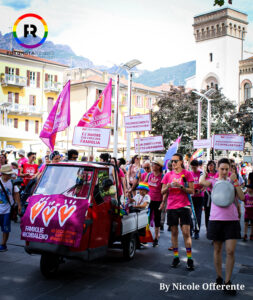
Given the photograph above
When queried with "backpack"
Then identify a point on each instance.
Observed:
(223, 193)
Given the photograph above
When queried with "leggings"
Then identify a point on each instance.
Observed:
(154, 207)
(198, 204)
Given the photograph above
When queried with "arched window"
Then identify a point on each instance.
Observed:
(247, 93)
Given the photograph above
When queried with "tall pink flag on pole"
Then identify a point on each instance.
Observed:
(99, 115)
(58, 119)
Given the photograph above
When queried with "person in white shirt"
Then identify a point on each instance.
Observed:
(7, 196)
(142, 199)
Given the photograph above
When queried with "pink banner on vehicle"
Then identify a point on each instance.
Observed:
(54, 219)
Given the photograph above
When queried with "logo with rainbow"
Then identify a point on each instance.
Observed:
(26, 30)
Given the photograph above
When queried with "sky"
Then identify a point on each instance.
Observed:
(159, 33)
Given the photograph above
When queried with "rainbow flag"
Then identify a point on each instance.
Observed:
(198, 153)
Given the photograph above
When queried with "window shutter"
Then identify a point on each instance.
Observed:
(30, 100)
(28, 77)
(17, 71)
(10, 97)
(26, 125)
(6, 70)
(46, 77)
(36, 127)
(17, 98)
(55, 78)
(15, 123)
(38, 79)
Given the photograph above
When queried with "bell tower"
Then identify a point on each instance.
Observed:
(219, 39)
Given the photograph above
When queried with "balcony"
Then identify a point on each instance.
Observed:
(13, 80)
(52, 87)
(20, 109)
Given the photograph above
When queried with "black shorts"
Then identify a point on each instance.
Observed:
(223, 230)
(183, 213)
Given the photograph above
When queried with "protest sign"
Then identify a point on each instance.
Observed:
(230, 142)
(92, 137)
(138, 123)
(149, 144)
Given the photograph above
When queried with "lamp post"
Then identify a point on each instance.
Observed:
(209, 120)
(116, 115)
(129, 66)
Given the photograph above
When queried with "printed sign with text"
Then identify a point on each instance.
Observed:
(199, 144)
(138, 123)
(149, 144)
(91, 137)
(230, 142)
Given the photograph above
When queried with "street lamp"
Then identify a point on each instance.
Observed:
(129, 66)
(205, 96)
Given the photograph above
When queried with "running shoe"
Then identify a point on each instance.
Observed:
(3, 248)
(190, 264)
(155, 243)
(175, 262)
(196, 235)
(245, 238)
(170, 248)
(219, 282)
(229, 289)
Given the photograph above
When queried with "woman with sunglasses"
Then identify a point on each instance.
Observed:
(154, 180)
(179, 207)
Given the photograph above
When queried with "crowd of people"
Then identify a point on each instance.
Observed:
(181, 191)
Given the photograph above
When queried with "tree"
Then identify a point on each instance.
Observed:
(244, 118)
(221, 2)
(177, 114)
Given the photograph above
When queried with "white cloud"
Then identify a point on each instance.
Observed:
(159, 33)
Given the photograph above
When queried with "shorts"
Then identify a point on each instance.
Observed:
(223, 230)
(5, 222)
(174, 215)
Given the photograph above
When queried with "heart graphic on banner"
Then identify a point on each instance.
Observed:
(35, 210)
(48, 214)
(65, 213)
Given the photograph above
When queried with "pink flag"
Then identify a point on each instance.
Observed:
(58, 119)
(99, 115)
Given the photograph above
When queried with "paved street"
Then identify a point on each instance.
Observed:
(113, 278)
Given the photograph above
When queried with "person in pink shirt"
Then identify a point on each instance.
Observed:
(248, 214)
(154, 180)
(224, 225)
(179, 207)
(198, 195)
(22, 160)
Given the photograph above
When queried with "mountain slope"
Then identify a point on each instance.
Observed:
(176, 75)
(65, 55)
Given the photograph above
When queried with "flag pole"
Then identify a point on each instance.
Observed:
(67, 139)
(116, 116)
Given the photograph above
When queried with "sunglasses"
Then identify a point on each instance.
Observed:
(146, 168)
(175, 161)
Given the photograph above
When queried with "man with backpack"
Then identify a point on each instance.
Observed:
(8, 194)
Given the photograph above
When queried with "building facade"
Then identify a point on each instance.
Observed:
(29, 88)
(86, 86)
(219, 37)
